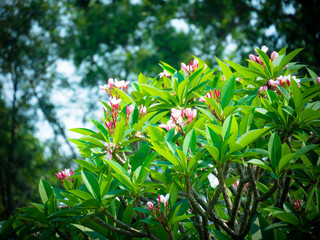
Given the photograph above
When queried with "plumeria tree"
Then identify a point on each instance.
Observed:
(229, 152)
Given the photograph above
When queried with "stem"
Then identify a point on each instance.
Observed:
(118, 230)
(224, 190)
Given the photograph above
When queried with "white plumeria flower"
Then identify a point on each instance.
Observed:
(164, 74)
(214, 182)
(115, 102)
(164, 199)
(176, 113)
(264, 49)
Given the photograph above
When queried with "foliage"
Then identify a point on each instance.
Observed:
(198, 152)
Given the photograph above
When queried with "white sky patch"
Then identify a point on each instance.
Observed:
(271, 30)
(180, 25)
(65, 67)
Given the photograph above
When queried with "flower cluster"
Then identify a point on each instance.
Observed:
(64, 174)
(177, 118)
(297, 205)
(123, 85)
(142, 110)
(283, 81)
(262, 91)
(191, 67)
(257, 59)
(215, 96)
(160, 211)
(111, 121)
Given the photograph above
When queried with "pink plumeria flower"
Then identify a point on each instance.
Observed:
(190, 114)
(139, 135)
(164, 199)
(213, 180)
(129, 109)
(273, 55)
(149, 205)
(63, 175)
(167, 126)
(164, 74)
(252, 57)
(142, 110)
(104, 87)
(262, 89)
(272, 83)
(115, 102)
(176, 113)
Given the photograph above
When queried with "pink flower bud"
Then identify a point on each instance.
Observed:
(149, 205)
(273, 55)
(63, 175)
(252, 57)
(129, 109)
(318, 79)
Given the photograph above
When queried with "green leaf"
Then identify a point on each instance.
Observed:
(190, 142)
(125, 180)
(220, 236)
(227, 92)
(168, 68)
(260, 163)
(274, 149)
(181, 218)
(267, 62)
(86, 164)
(83, 131)
(165, 152)
(142, 79)
(119, 132)
(310, 196)
(101, 129)
(89, 232)
(81, 194)
(93, 141)
(288, 218)
(213, 138)
(155, 92)
(287, 59)
(251, 136)
(155, 133)
(182, 88)
(225, 69)
(124, 96)
(296, 95)
(45, 190)
(91, 183)
(214, 152)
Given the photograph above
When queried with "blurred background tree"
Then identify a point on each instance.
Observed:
(119, 39)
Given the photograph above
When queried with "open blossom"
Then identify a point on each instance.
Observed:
(273, 55)
(139, 135)
(190, 68)
(63, 175)
(176, 113)
(167, 126)
(164, 74)
(190, 114)
(214, 182)
(114, 102)
(164, 199)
